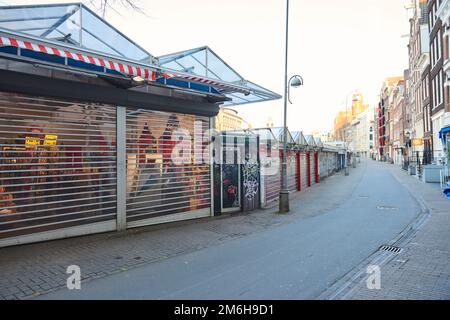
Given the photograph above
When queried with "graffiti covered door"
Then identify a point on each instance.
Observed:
(231, 182)
(251, 182)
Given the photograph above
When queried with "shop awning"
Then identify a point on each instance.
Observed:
(72, 36)
(205, 62)
(443, 133)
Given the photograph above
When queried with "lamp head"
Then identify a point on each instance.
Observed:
(296, 82)
(138, 80)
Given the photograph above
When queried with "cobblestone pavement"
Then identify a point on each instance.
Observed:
(421, 271)
(32, 270)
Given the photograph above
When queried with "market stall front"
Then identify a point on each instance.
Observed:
(97, 134)
(159, 188)
(57, 165)
(312, 159)
(291, 157)
(302, 173)
(269, 154)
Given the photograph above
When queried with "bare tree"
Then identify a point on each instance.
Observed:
(104, 5)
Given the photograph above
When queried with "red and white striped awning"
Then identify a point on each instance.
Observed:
(125, 68)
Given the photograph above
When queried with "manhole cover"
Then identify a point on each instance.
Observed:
(387, 208)
(392, 249)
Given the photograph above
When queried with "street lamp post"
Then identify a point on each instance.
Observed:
(347, 171)
(346, 168)
(295, 81)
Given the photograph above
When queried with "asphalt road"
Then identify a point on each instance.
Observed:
(292, 261)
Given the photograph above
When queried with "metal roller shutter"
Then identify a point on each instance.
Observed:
(57, 164)
(270, 169)
(272, 181)
(304, 171)
(313, 169)
(291, 171)
(159, 185)
(272, 188)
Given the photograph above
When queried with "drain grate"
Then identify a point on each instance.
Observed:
(387, 208)
(391, 249)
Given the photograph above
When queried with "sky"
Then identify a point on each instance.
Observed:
(336, 46)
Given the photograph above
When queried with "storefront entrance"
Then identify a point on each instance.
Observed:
(168, 171)
(231, 182)
(61, 168)
(57, 168)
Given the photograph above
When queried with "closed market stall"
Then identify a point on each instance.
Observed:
(304, 170)
(300, 147)
(312, 158)
(97, 134)
(57, 165)
(164, 177)
(270, 161)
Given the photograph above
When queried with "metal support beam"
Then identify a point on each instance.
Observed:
(121, 169)
(212, 127)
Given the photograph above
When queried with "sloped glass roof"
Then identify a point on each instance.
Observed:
(311, 141)
(299, 138)
(265, 134)
(72, 23)
(279, 135)
(319, 142)
(206, 63)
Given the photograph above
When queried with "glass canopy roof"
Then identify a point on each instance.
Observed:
(299, 138)
(277, 133)
(205, 62)
(311, 141)
(74, 24)
(319, 142)
(79, 27)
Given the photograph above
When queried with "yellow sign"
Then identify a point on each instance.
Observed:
(32, 141)
(50, 140)
(417, 142)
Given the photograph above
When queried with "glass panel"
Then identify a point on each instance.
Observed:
(218, 66)
(63, 22)
(103, 34)
(89, 41)
(69, 29)
(192, 66)
(173, 65)
(23, 26)
(28, 19)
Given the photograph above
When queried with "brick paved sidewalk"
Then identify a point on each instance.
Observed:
(421, 271)
(36, 269)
